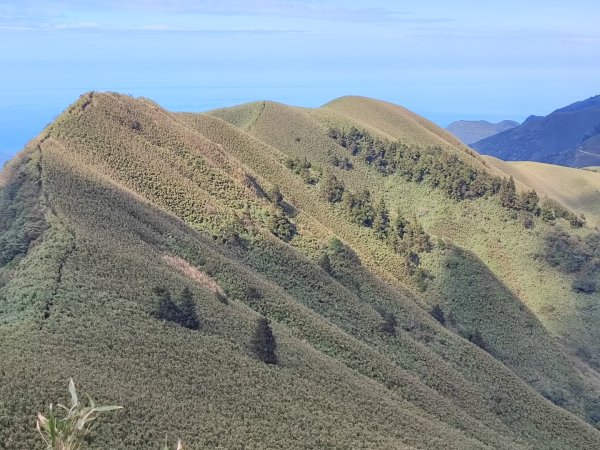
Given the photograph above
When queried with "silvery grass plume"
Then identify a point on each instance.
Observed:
(66, 431)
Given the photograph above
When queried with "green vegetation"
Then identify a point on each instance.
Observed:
(183, 314)
(433, 166)
(21, 213)
(200, 205)
(68, 431)
(447, 172)
(263, 342)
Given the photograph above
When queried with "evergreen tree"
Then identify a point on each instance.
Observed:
(281, 226)
(362, 211)
(508, 193)
(188, 316)
(438, 314)
(275, 195)
(184, 314)
(347, 201)
(419, 239)
(529, 201)
(399, 225)
(397, 232)
(325, 263)
(389, 323)
(332, 190)
(381, 222)
(166, 309)
(263, 342)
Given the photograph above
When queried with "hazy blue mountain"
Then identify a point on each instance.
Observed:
(569, 136)
(470, 131)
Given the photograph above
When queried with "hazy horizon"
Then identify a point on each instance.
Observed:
(445, 62)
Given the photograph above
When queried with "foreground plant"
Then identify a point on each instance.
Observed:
(178, 447)
(67, 430)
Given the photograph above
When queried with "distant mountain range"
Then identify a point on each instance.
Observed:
(470, 131)
(569, 136)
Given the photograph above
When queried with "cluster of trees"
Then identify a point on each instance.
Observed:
(402, 234)
(406, 237)
(342, 163)
(447, 172)
(302, 167)
(551, 210)
(438, 168)
(182, 313)
(281, 226)
(576, 256)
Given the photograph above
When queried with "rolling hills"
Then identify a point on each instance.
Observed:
(470, 131)
(569, 136)
(417, 297)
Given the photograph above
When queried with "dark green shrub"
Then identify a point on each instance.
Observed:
(381, 222)
(476, 338)
(325, 263)
(282, 227)
(275, 196)
(438, 314)
(566, 252)
(332, 189)
(263, 343)
(389, 322)
(188, 317)
(342, 163)
(584, 285)
(252, 294)
(184, 313)
(508, 193)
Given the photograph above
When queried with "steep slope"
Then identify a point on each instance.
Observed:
(499, 242)
(470, 131)
(119, 197)
(568, 136)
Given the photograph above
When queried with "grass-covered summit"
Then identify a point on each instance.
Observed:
(266, 276)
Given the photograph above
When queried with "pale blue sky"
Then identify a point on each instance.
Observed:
(445, 60)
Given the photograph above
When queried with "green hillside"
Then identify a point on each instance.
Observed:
(434, 311)
(577, 189)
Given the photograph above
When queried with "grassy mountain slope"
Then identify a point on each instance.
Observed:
(497, 242)
(567, 136)
(119, 196)
(470, 131)
(575, 188)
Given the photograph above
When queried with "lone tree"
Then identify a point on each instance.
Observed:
(325, 263)
(438, 314)
(389, 323)
(166, 309)
(188, 317)
(263, 342)
(275, 195)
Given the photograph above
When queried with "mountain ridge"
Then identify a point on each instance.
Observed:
(568, 136)
(471, 131)
(124, 187)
